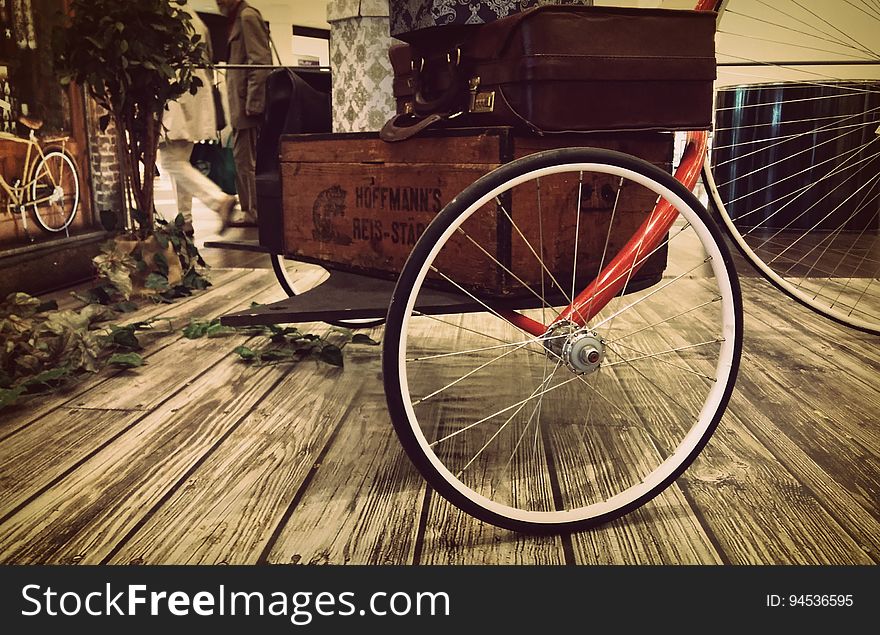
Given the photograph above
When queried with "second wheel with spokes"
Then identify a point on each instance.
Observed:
(795, 162)
(55, 191)
(592, 412)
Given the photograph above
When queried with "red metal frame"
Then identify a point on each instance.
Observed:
(615, 276)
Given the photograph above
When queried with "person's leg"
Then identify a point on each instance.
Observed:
(184, 200)
(181, 195)
(190, 182)
(244, 151)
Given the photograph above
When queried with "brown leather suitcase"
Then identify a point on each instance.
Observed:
(560, 69)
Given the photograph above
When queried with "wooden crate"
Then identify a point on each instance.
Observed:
(353, 202)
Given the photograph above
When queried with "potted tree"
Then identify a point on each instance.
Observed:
(133, 58)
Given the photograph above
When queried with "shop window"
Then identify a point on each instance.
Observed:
(28, 83)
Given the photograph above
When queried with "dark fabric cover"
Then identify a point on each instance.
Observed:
(295, 103)
(409, 16)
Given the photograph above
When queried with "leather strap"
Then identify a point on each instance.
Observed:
(395, 130)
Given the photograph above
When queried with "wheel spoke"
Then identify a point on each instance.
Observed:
(607, 241)
(577, 233)
(503, 410)
(468, 374)
(657, 356)
(858, 127)
(542, 297)
(501, 428)
(532, 249)
(653, 292)
(829, 238)
(664, 321)
(797, 194)
(819, 222)
(640, 262)
(475, 332)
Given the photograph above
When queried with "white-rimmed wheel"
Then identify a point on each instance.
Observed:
(285, 273)
(586, 423)
(55, 191)
(795, 159)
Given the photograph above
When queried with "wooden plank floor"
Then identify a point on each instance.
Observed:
(197, 458)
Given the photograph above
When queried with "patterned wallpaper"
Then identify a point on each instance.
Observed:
(363, 97)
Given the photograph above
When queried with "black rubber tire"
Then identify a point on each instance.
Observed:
(396, 313)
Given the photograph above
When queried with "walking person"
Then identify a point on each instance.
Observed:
(248, 44)
(191, 118)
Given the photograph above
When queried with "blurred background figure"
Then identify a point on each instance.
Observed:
(246, 88)
(188, 119)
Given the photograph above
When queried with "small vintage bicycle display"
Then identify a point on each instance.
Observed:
(49, 183)
(565, 335)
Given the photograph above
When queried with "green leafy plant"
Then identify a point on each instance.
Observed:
(114, 267)
(127, 267)
(133, 57)
(191, 262)
(280, 344)
(44, 347)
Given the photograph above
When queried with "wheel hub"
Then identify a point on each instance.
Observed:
(57, 195)
(579, 348)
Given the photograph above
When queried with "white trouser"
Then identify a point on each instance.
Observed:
(188, 182)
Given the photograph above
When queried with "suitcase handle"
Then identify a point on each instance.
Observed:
(451, 99)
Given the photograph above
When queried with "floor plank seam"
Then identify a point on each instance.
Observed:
(175, 487)
(703, 522)
(98, 449)
(806, 329)
(568, 555)
(263, 558)
(30, 499)
(102, 409)
(422, 527)
(833, 513)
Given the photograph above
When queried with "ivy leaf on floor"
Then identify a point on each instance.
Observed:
(44, 347)
(116, 265)
(332, 355)
(218, 330)
(9, 396)
(124, 337)
(157, 282)
(200, 328)
(126, 360)
(288, 345)
(125, 307)
(245, 353)
(362, 338)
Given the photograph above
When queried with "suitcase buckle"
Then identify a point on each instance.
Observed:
(480, 102)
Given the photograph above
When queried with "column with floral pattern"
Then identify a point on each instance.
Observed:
(362, 75)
